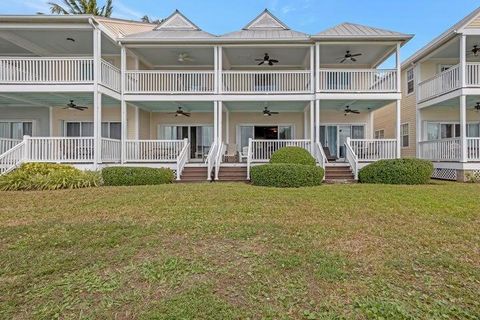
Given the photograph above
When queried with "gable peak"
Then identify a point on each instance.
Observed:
(177, 21)
(266, 20)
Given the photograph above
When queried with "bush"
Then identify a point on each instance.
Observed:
(284, 175)
(293, 155)
(136, 176)
(48, 176)
(397, 171)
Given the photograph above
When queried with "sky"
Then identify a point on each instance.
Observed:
(425, 19)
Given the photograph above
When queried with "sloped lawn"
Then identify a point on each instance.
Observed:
(234, 251)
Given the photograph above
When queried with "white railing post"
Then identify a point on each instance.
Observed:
(463, 60)
(399, 68)
(249, 157)
(398, 125)
(463, 128)
(28, 142)
(123, 104)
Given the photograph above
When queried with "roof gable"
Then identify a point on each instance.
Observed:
(357, 30)
(266, 20)
(177, 21)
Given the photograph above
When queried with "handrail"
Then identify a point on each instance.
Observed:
(7, 144)
(352, 158)
(249, 157)
(12, 158)
(368, 150)
(439, 84)
(358, 80)
(182, 158)
(320, 155)
(219, 158)
(210, 160)
(110, 76)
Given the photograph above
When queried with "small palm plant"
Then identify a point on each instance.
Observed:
(82, 7)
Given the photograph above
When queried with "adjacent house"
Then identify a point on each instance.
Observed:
(97, 92)
(440, 116)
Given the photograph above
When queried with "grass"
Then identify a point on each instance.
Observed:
(234, 251)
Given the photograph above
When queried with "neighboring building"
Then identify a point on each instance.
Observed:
(174, 95)
(441, 103)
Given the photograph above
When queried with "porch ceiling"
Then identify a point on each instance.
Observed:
(40, 99)
(258, 106)
(361, 105)
(244, 57)
(452, 49)
(331, 54)
(171, 106)
(167, 57)
(455, 103)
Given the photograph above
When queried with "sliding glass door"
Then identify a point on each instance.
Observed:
(333, 137)
(246, 132)
(200, 138)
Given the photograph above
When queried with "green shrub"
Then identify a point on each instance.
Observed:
(135, 176)
(397, 171)
(284, 175)
(294, 155)
(48, 176)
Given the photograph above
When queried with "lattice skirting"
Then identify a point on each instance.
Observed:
(473, 176)
(445, 174)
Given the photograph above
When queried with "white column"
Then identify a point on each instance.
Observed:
(399, 68)
(97, 97)
(215, 68)
(215, 121)
(463, 60)
(227, 126)
(317, 120)
(317, 66)
(123, 104)
(418, 131)
(312, 69)
(371, 125)
(312, 123)
(305, 122)
(220, 66)
(463, 127)
(398, 125)
(137, 123)
(220, 121)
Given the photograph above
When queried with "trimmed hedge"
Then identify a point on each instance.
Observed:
(397, 171)
(48, 176)
(282, 175)
(136, 176)
(294, 155)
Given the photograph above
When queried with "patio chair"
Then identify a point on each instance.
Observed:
(244, 153)
(329, 156)
(232, 153)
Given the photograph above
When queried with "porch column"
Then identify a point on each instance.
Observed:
(123, 106)
(317, 66)
(227, 125)
(398, 125)
(371, 127)
(399, 68)
(215, 70)
(220, 67)
(463, 60)
(317, 120)
(220, 121)
(215, 121)
(463, 128)
(419, 130)
(312, 69)
(312, 124)
(97, 97)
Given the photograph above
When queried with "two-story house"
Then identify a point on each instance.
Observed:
(95, 92)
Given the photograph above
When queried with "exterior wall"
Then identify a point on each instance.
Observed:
(475, 23)
(337, 117)
(144, 121)
(39, 116)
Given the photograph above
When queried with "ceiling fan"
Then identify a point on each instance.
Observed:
(349, 56)
(348, 110)
(73, 106)
(266, 59)
(475, 51)
(268, 113)
(476, 107)
(184, 57)
(180, 112)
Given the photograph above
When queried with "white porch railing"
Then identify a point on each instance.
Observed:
(219, 158)
(441, 150)
(154, 81)
(473, 149)
(351, 158)
(358, 80)
(183, 158)
(60, 149)
(111, 150)
(110, 76)
(368, 150)
(48, 70)
(12, 158)
(320, 155)
(210, 159)
(293, 81)
(473, 74)
(7, 144)
(153, 150)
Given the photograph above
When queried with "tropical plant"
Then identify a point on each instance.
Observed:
(82, 7)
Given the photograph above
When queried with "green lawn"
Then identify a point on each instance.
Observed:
(230, 251)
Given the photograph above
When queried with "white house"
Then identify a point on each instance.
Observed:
(174, 95)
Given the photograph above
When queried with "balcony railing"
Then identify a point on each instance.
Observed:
(358, 80)
(111, 76)
(46, 70)
(258, 82)
(153, 150)
(368, 150)
(60, 149)
(153, 81)
(441, 150)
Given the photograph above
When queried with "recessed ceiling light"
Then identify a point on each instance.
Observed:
(71, 39)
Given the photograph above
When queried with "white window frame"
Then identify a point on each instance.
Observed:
(239, 125)
(10, 121)
(379, 134)
(403, 134)
(86, 121)
(407, 80)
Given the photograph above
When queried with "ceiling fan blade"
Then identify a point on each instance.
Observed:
(343, 60)
(353, 59)
(261, 63)
(274, 60)
(274, 112)
(356, 55)
(355, 111)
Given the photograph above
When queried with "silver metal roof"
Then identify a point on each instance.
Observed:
(351, 31)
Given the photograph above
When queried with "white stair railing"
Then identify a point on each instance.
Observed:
(7, 144)
(222, 147)
(182, 158)
(12, 158)
(320, 155)
(351, 158)
(210, 160)
(368, 150)
(111, 150)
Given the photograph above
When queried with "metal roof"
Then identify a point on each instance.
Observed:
(349, 30)
(122, 28)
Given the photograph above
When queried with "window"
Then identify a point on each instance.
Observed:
(85, 129)
(404, 134)
(410, 81)
(380, 134)
(436, 130)
(444, 67)
(16, 129)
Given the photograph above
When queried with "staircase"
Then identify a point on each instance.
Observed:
(232, 174)
(339, 173)
(194, 174)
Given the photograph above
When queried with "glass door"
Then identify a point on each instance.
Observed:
(328, 138)
(344, 132)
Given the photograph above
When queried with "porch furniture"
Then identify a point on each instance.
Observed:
(244, 154)
(232, 153)
(329, 156)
